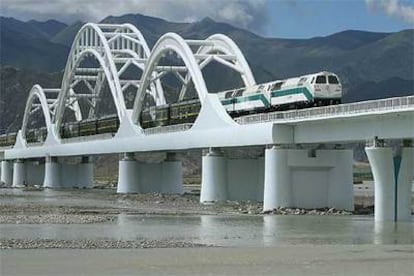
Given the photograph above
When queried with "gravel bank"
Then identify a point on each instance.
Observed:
(53, 219)
(93, 244)
(94, 206)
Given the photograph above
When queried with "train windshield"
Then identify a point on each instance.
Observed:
(333, 79)
(301, 81)
(320, 79)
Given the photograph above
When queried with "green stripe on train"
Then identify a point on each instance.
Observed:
(250, 98)
(293, 91)
(274, 94)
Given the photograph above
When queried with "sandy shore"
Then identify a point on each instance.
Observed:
(283, 260)
(172, 257)
(94, 206)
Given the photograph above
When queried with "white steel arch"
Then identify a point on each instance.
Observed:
(47, 106)
(175, 43)
(105, 72)
(227, 46)
(224, 50)
(116, 48)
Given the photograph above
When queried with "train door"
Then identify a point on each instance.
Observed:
(335, 88)
(321, 87)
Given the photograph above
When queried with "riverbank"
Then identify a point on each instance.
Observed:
(99, 232)
(282, 260)
(83, 206)
(37, 206)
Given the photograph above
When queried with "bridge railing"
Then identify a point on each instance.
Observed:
(167, 129)
(389, 104)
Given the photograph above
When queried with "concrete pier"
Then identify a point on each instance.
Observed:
(172, 175)
(213, 177)
(52, 173)
(35, 172)
(128, 175)
(308, 178)
(85, 173)
(19, 173)
(61, 175)
(225, 178)
(140, 177)
(277, 180)
(6, 172)
(392, 179)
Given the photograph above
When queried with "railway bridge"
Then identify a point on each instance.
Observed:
(304, 162)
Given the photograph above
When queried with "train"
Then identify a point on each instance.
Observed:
(318, 89)
(107, 124)
(37, 135)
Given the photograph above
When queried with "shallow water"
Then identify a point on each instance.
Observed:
(233, 231)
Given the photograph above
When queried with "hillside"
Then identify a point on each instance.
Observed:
(370, 65)
(26, 45)
(15, 85)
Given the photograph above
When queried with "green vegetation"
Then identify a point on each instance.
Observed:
(362, 172)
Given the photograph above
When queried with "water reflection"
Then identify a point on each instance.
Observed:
(393, 233)
(250, 231)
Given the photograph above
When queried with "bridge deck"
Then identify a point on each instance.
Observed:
(388, 119)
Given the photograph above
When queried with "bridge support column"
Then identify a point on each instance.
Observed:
(230, 179)
(6, 172)
(393, 176)
(308, 178)
(35, 173)
(19, 173)
(172, 175)
(138, 177)
(128, 175)
(52, 173)
(85, 173)
(277, 179)
(213, 177)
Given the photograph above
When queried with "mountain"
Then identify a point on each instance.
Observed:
(65, 36)
(377, 90)
(15, 85)
(25, 45)
(370, 65)
(49, 28)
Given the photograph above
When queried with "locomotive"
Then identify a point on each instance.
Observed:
(318, 89)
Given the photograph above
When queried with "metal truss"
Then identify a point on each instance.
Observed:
(40, 99)
(114, 49)
(195, 54)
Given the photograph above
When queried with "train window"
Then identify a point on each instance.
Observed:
(320, 79)
(228, 94)
(333, 79)
(277, 86)
(301, 81)
(239, 93)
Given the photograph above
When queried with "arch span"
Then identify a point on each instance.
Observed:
(227, 46)
(89, 39)
(169, 42)
(116, 48)
(107, 75)
(224, 50)
(37, 93)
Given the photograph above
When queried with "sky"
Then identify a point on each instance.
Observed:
(270, 18)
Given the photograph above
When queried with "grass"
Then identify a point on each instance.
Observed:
(362, 172)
